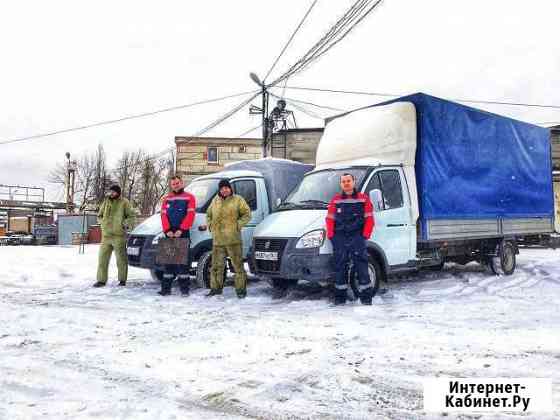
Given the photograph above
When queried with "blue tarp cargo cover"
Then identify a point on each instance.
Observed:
(472, 164)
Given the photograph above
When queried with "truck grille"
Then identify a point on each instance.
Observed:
(270, 245)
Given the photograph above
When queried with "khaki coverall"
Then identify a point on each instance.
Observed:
(114, 214)
(226, 218)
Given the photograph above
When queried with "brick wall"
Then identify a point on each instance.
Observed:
(192, 154)
(301, 146)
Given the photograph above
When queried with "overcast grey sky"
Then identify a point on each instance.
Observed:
(68, 63)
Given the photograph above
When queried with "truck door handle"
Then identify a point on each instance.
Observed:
(396, 225)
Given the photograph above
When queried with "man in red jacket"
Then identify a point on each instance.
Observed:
(349, 225)
(178, 211)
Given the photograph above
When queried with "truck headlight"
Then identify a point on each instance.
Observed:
(156, 239)
(313, 239)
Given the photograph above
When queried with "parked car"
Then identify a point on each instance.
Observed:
(448, 182)
(263, 183)
(19, 238)
(45, 234)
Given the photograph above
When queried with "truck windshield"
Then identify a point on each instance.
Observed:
(203, 191)
(318, 188)
(150, 226)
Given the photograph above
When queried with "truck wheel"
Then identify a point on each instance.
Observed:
(204, 270)
(375, 276)
(437, 267)
(283, 284)
(504, 262)
(156, 275)
(280, 287)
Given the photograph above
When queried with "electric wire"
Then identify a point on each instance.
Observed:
(336, 33)
(394, 95)
(249, 130)
(290, 39)
(121, 119)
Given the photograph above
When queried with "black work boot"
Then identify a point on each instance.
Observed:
(366, 296)
(241, 293)
(214, 292)
(184, 284)
(339, 296)
(166, 282)
(98, 284)
(122, 283)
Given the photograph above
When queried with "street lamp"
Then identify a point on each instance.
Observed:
(255, 79)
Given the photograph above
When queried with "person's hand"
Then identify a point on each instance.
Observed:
(169, 234)
(178, 233)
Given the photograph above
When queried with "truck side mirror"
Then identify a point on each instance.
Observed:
(377, 199)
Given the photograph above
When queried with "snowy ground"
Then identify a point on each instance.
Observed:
(69, 351)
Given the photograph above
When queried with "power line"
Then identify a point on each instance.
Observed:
(393, 95)
(355, 19)
(305, 111)
(351, 18)
(226, 115)
(125, 118)
(299, 107)
(319, 44)
(250, 130)
(330, 108)
(205, 129)
(290, 39)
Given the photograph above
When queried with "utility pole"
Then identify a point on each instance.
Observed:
(263, 111)
(70, 183)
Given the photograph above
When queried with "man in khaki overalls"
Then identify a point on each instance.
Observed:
(227, 215)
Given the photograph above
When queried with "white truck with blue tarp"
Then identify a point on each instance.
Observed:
(448, 183)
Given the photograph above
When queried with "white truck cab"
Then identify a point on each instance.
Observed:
(291, 243)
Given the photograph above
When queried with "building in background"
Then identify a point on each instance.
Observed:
(299, 144)
(197, 156)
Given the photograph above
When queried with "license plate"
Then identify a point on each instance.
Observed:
(134, 251)
(269, 256)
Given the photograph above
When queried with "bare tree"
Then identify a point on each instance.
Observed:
(143, 180)
(128, 171)
(101, 177)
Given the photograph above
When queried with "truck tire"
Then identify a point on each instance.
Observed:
(204, 270)
(504, 262)
(437, 267)
(156, 275)
(375, 276)
(281, 286)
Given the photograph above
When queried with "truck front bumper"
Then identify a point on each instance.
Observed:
(297, 264)
(146, 256)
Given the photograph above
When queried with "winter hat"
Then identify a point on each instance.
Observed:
(224, 183)
(115, 188)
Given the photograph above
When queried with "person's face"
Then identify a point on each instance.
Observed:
(113, 194)
(225, 191)
(176, 184)
(347, 184)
